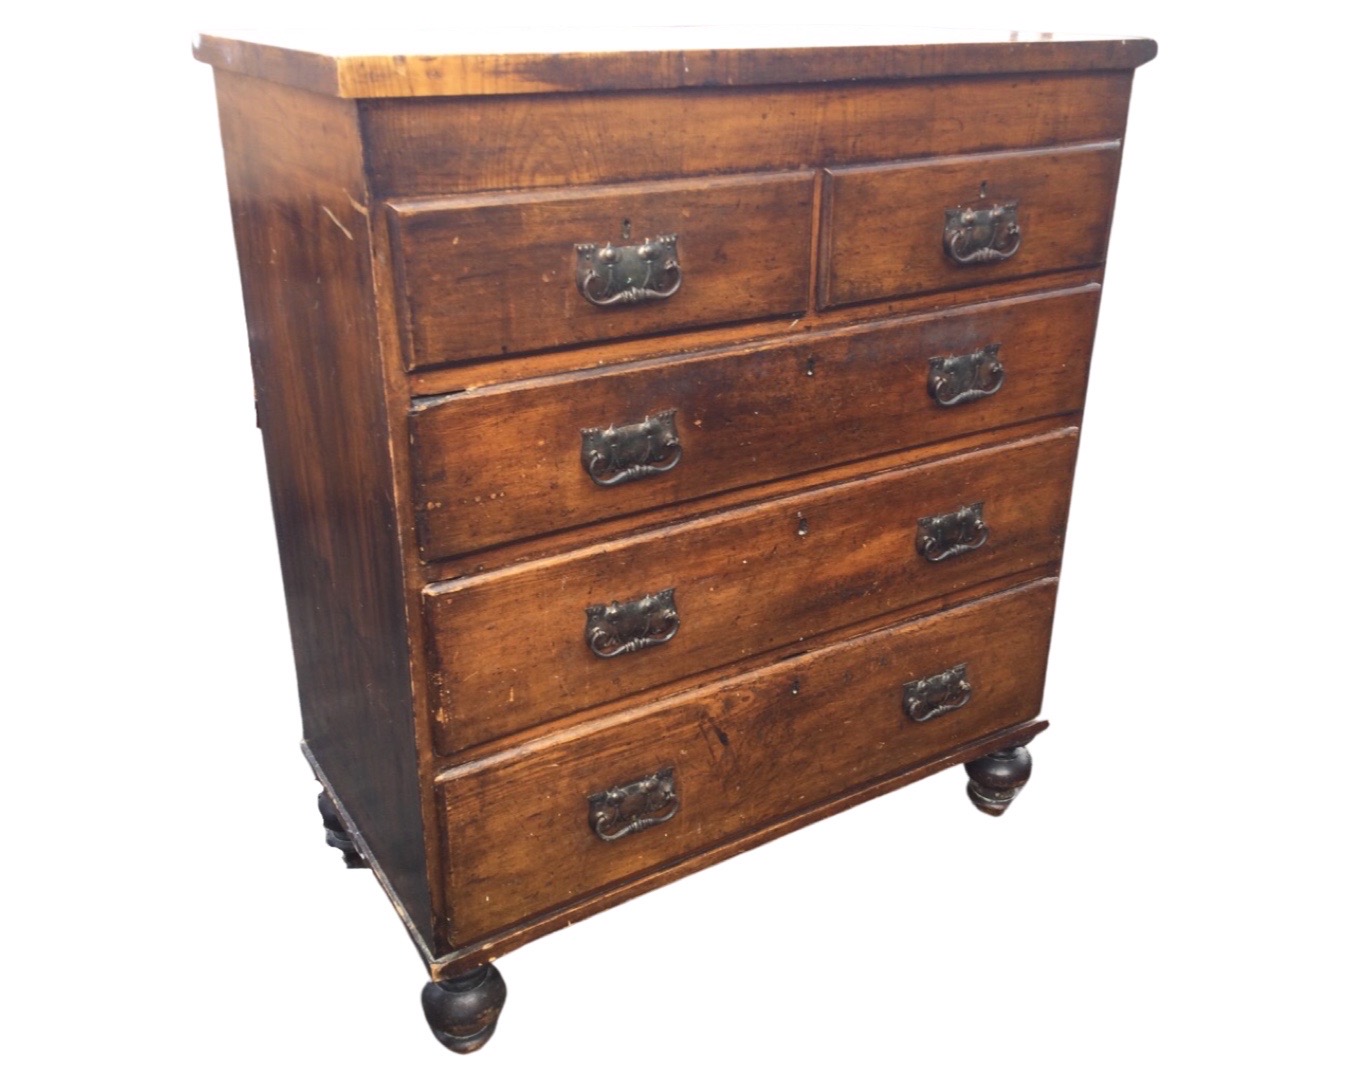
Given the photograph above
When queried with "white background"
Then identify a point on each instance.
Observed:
(1166, 898)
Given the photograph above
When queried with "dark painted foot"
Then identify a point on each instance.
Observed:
(996, 778)
(463, 1011)
(338, 836)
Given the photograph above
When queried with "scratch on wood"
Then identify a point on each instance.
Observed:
(331, 217)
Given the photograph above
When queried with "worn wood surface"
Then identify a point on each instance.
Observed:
(745, 752)
(476, 374)
(444, 146)
(883, 225)
(294, 166)
(505, 463)
(508, 648)
(497, 944)
(798, 494)
(497, 275)
(441, 63)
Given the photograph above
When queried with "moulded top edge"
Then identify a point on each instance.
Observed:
(560, 61)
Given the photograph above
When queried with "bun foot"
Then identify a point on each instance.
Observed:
(996, 778)
(463, 1011)
(338, 836)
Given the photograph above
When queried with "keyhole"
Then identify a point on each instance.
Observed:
(802, 528)
(810, 365)
(984, 192)
(626, 232)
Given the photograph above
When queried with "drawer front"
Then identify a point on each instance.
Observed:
(502, 274)
(515, 647)
(512, 462)
(552, 140)
(567, 817)
(897, 230)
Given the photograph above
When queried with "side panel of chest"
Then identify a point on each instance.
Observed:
(294, 166)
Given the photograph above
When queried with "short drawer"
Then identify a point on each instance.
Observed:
(491, 275)
(515, 647)
(533, 458)
(563, 818)
(923, 226)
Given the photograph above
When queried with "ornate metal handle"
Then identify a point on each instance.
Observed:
(945, 535)
(937, 695)
(956, 379)
(633, 807)
(631, 274)
(623, 627)
(982, 234)
(615, 455)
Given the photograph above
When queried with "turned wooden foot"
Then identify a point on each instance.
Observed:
(338, 836)
(463, 1011)
(996, 778)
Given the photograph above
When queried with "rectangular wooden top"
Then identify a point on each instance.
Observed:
(653, 58)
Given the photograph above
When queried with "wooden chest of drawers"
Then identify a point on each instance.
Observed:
(667, 449)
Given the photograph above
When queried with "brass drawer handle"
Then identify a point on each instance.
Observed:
(937, 695)
(953, 380)
(630, 274)
(621, 627)
(616, 455)
(983, 234)
(633, 807)
(945, 535)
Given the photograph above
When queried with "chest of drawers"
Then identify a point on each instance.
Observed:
(667, 448)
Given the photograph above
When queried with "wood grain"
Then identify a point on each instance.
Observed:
(475, 374)
(444, 146)
(884, 225)
(511, 938)
(503, 464)
(418, 239)
(745, 752)
(455, 63)
(508, 648)
(294, 166)
(497, 275)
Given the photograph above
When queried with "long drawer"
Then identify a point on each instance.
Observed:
(434, 146)
(492, 275)
(532, 458)
(515, 647)
(539, 828)
(923, 226)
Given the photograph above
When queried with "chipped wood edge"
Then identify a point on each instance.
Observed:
(359, 840)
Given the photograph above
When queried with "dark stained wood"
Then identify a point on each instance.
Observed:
(444, 146)
(883, 225)
(743, 416)
(442, 63)
(462, 1011)
(538, 547)
(742, 665)
(497, 275)
(418, 240)
(996, 779)
(744, 752)
(294, 166)
(475, 374)
(465, 958)
(509, 650)
(337, 835)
